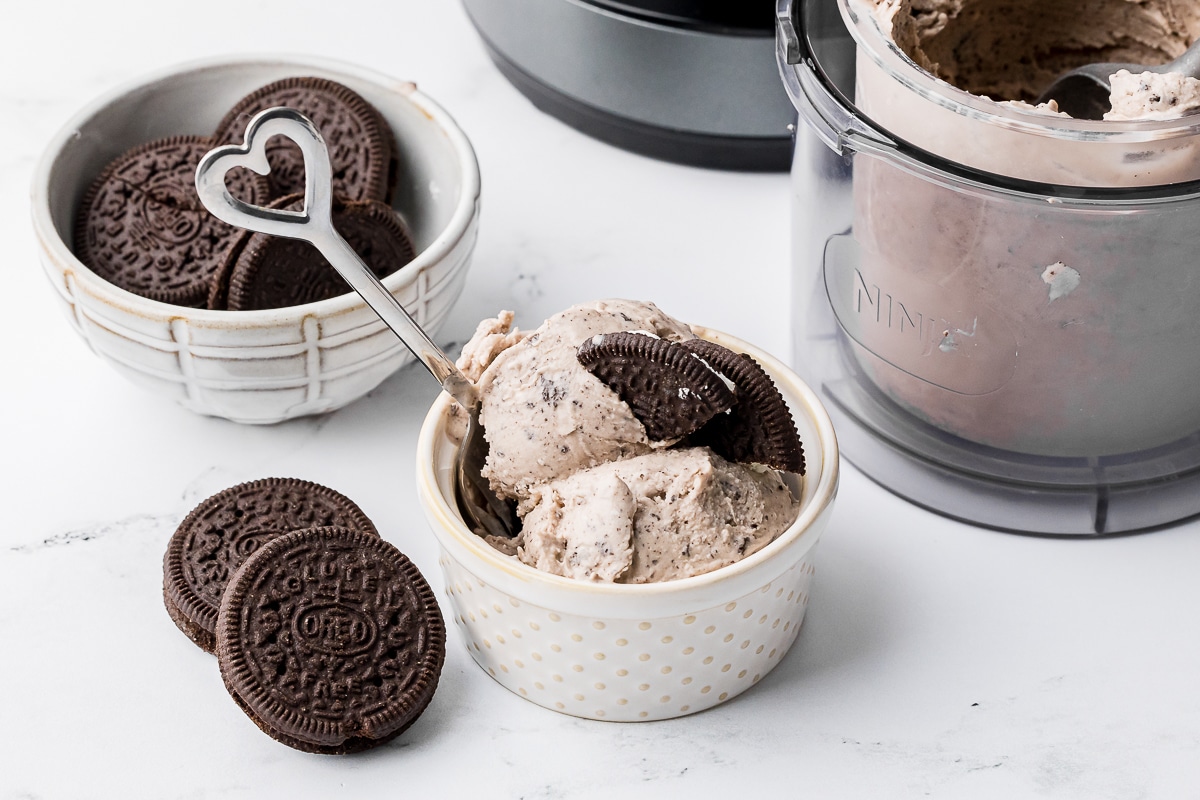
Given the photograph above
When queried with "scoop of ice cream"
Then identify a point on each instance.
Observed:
(1013, 49)
(492, 336)
(661, 516)
(543, 414)
(1152, 95)
(581, 527)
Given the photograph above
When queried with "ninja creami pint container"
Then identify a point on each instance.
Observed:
(997, 302)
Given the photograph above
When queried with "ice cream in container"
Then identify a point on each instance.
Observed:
(995, 298)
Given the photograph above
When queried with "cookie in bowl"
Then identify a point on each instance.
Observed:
(271, 364)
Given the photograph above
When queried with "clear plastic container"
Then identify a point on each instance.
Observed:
(996, 304)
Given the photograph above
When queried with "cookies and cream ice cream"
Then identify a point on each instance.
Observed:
(665, 515)
(545, 415)
(1150, 95)
(598, 499)
(1011, 50)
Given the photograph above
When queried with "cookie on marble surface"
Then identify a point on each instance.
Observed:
(225, 529)
(330, 640)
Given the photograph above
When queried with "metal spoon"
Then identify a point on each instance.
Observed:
(314, 224)
(1084, 92)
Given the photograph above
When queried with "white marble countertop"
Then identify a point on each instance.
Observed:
(937, 660)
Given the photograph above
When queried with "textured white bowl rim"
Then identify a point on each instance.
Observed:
(573, 596)
(459, 223)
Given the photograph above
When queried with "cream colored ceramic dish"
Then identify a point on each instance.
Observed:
(632, 652)
(258, 366)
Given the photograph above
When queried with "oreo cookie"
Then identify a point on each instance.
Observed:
(670, 392)
(224, 530)
(330, 640)
(360, 142)
(759, 427)
(263, 271)
(142, 227)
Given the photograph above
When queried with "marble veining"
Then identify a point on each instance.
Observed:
(136, 524)
(935, 661)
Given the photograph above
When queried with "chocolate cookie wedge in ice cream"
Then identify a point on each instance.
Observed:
(758, 428)
(669, 390)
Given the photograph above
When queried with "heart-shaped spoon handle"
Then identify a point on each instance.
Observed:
(314, 224)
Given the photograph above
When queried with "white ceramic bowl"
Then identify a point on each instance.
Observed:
(271, 365)
(633, 652)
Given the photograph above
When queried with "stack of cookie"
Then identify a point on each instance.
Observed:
(328, 637)
(142, 227)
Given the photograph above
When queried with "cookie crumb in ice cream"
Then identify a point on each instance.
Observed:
(671, 392)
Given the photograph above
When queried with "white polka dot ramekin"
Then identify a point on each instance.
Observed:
(632, 652)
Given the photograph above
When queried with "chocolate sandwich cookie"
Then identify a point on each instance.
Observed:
(264, 271)
(759, 428)
(142, 227)
(220, 533)
(360, 142)
(671, 392)
(330, 640)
